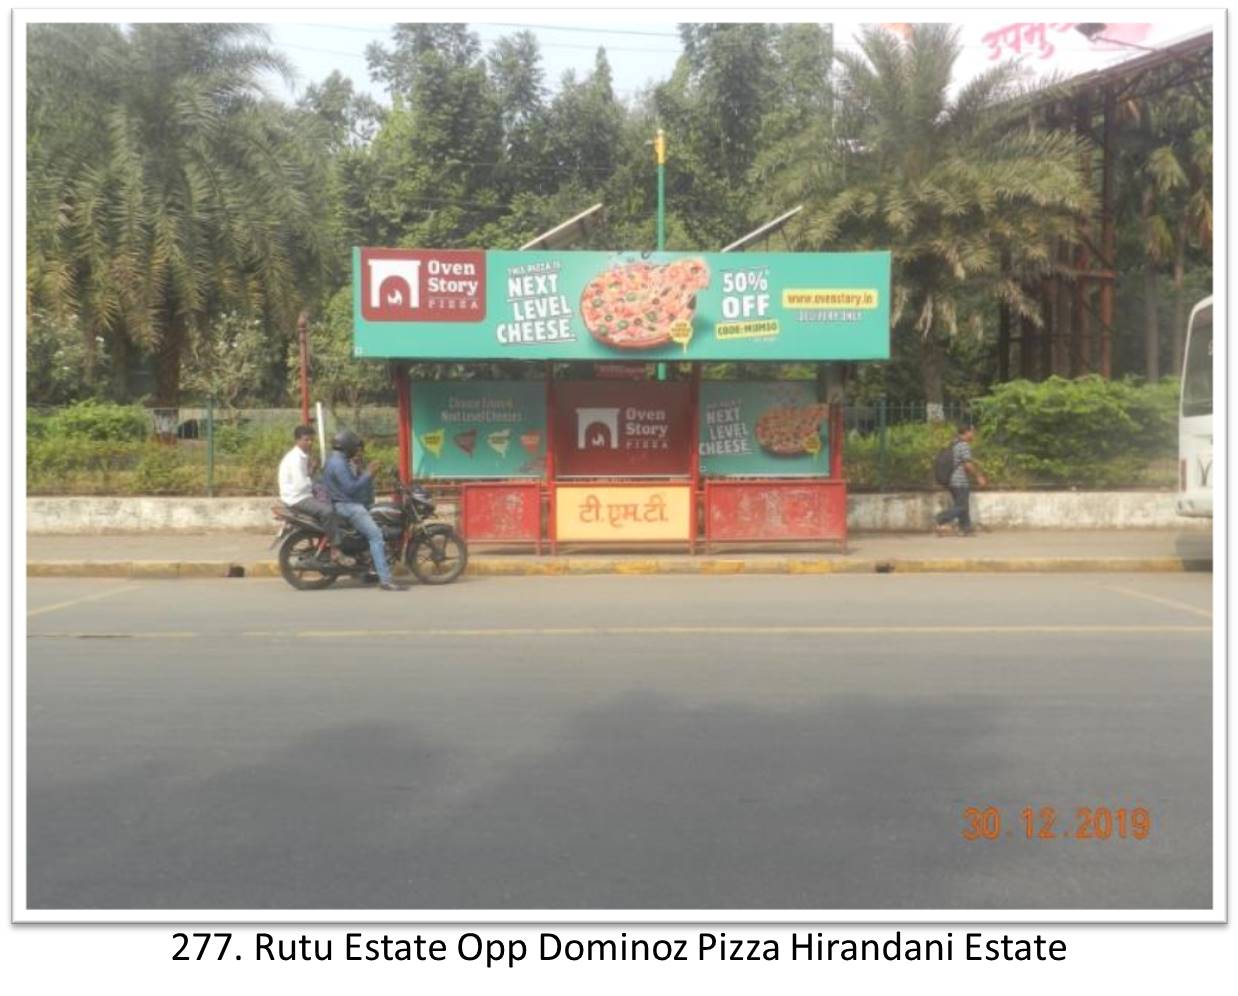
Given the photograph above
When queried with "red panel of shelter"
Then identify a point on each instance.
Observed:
(501, 512)
(775, 510)
(617, 429)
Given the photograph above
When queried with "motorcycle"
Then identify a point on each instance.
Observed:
(431, 549)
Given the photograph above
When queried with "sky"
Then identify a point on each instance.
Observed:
(641, 53)
(638, 53)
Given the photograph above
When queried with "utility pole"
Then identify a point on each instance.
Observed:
(303, 341)
(659, 152)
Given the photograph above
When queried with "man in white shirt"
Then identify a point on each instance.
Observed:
(296, 490)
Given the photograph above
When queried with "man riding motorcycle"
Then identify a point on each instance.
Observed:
(296, 489)
(348, 491)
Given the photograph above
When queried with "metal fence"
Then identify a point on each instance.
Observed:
(866, 418)
(193, 423)
(211, 444)
(206, 449)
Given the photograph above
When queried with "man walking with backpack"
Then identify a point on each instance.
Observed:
(955, 469)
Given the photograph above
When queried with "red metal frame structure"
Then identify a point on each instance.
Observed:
(303, 350)
(507, 512)
(553, 483)
(781, 509)
(695, 469)
(804, 509)
(550, 456)
(404, 407)
(769, 510)
(479, 503)
(1079, 307)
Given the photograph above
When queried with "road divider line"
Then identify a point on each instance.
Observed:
(85, 598)
(158, 635)
(593, 631)
(599, 631)
(581, 566)
(1171, 602)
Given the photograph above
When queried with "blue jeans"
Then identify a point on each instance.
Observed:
(961, 509)
(364, 523)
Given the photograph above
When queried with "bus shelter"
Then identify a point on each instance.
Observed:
(597, 448)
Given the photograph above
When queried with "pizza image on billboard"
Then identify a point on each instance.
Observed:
(790, 430)
(635, 306)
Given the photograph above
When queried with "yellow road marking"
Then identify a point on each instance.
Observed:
(158, 635)
(737, 631)
(85, 598)
(596, 631)
(1172, 603)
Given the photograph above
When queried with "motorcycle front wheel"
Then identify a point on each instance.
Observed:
(299, 564)
(438, 558)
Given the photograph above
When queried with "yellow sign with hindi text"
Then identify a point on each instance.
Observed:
(654, 513)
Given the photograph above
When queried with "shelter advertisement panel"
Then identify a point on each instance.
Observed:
(479, 429)
(445, 304)
(618, 429)
(772, 429)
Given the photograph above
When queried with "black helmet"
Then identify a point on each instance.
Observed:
(347, 442)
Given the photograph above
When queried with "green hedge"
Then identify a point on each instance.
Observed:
(1059, 433)
(93, 420)
(107, 449)
(1088, 432)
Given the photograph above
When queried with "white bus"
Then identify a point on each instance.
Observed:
(1195, 416)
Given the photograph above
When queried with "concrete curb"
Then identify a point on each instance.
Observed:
(866, 512)
(501, 567)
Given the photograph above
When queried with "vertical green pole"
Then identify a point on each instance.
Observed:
(659, 150)
(210, 447)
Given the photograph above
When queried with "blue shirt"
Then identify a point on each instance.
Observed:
(342, 484)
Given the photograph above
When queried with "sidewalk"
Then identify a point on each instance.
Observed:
(248, 555)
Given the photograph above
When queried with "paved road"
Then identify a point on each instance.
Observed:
(1193, 542)
(617, 743)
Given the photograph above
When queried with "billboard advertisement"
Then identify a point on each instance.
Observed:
(425, 304)
(623, 429)
(767, 429)
(479, 429)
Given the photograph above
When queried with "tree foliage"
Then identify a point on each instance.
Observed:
(186, 198)
(951, 184)
(171, 202)
(1062, 427)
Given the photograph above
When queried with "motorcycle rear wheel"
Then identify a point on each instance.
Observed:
(301, 546)
(439, 558)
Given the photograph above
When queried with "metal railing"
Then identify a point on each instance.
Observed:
(212, 451)
(875, 416)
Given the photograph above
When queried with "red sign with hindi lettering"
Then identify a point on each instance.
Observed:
(616, 429)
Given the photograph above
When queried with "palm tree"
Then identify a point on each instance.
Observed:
(948, 183)
(1173, 163)
(187, 200)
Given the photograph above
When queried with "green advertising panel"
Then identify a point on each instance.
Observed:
(479, 429)
(445, 304)
(771, 429)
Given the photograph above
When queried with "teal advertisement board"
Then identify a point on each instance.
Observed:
(431, 304)
(479, 429)
(768, 429)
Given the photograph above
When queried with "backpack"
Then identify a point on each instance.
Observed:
(943, 466)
